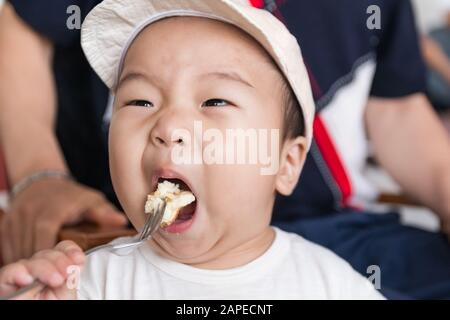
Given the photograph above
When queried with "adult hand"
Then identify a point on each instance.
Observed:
(38, 213)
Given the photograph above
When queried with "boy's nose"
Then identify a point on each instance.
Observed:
(172, 128)
(169, 142)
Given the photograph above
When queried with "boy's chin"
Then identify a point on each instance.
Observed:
(184, 245)
(183, 253)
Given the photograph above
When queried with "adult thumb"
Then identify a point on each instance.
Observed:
(106, 215)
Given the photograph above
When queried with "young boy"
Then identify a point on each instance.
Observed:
(229, 67)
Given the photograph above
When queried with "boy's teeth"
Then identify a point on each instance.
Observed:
(177, 201)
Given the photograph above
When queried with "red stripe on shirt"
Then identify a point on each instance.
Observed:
(258, 3)
(332, 159)
(321, 134)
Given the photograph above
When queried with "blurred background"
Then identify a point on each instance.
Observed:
(376, 186)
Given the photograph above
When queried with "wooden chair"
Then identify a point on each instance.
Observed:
(397, 199)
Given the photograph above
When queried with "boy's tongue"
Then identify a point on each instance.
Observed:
(186, 213)
(180, 200)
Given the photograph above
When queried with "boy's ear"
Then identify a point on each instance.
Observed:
(292, 160)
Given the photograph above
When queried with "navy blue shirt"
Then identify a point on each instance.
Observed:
(347, 62)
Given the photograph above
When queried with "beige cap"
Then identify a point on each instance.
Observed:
(111, 27)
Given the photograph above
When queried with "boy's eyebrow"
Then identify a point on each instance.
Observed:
(134, 76)
(233, 76)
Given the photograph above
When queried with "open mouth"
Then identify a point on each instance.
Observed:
(181, 203)
(185, 213)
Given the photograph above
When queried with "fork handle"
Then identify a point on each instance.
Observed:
(22, 290)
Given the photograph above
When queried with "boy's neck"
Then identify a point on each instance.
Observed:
(238, 256)
(242, 254)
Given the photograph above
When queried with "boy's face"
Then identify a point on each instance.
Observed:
(181, 70)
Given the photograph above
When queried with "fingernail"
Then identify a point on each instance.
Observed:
(73, 252)
(27, 279)
(56, 279)
(77, 257)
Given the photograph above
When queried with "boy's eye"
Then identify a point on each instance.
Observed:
(215, 103)
(140, 103)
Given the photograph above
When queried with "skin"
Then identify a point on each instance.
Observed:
(420, 137)
(227, 232)
(435, 57)
(438, 61)
(47, 266)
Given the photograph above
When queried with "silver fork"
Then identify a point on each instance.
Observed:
(151, 225)
(121, 249)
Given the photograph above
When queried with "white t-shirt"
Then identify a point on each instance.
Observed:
(292, 268)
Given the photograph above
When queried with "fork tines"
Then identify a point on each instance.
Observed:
(153, 221)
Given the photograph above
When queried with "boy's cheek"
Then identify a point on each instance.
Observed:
(128, 181)
(239, 186)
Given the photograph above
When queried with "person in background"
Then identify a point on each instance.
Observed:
(433, 20)
(369, 85)
(56, 159)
